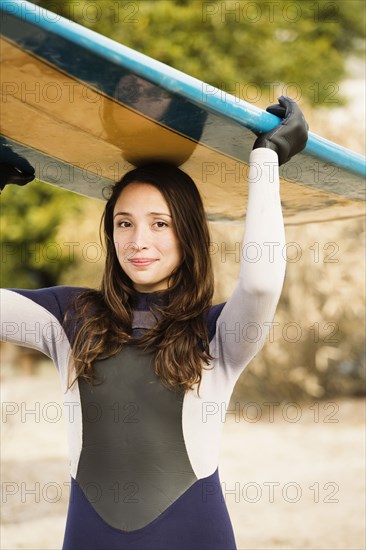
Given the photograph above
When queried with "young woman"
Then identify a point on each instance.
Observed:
(147, 363)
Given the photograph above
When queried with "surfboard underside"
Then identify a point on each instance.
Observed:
(81, 122)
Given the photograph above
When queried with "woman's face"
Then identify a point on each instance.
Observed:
(147, 246)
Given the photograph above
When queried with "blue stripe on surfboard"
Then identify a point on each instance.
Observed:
(52, 170)
(176, 82)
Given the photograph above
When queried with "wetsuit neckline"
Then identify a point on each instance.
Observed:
(142, 301)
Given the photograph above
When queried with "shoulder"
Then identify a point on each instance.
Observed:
(55, 299)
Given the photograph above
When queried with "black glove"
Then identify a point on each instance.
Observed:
(290, 136)
(9, 174)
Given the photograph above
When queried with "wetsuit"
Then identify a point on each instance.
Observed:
(143, 458)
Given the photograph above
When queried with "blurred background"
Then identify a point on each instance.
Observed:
(314, 357)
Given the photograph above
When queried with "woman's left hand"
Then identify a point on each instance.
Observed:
(290, 136)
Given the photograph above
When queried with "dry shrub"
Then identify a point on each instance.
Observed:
(315, 348)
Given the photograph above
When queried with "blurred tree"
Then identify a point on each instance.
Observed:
(31, 256)
(254, 50)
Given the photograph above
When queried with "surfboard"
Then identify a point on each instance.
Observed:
(79, 110)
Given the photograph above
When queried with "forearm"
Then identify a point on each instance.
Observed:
(245, 321)
(263, 262)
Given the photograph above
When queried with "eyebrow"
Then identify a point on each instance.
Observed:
(150, 214)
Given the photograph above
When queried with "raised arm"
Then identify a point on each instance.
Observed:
(246, 318)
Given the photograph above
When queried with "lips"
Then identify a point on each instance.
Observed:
(142, 262)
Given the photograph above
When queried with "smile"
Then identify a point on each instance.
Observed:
(142, 262)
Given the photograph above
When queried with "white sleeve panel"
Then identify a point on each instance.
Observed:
(245, 320)
(26, 323)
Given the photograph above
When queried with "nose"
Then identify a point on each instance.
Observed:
(139, 238)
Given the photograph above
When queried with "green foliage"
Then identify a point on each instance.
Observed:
(31, 256)
(252, 49)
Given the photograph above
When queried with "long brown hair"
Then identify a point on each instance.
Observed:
(180, 338)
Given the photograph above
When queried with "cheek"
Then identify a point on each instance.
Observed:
(119, 245)
(175, 248)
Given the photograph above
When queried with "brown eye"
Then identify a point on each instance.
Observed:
(124, 224)
(160, 224)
